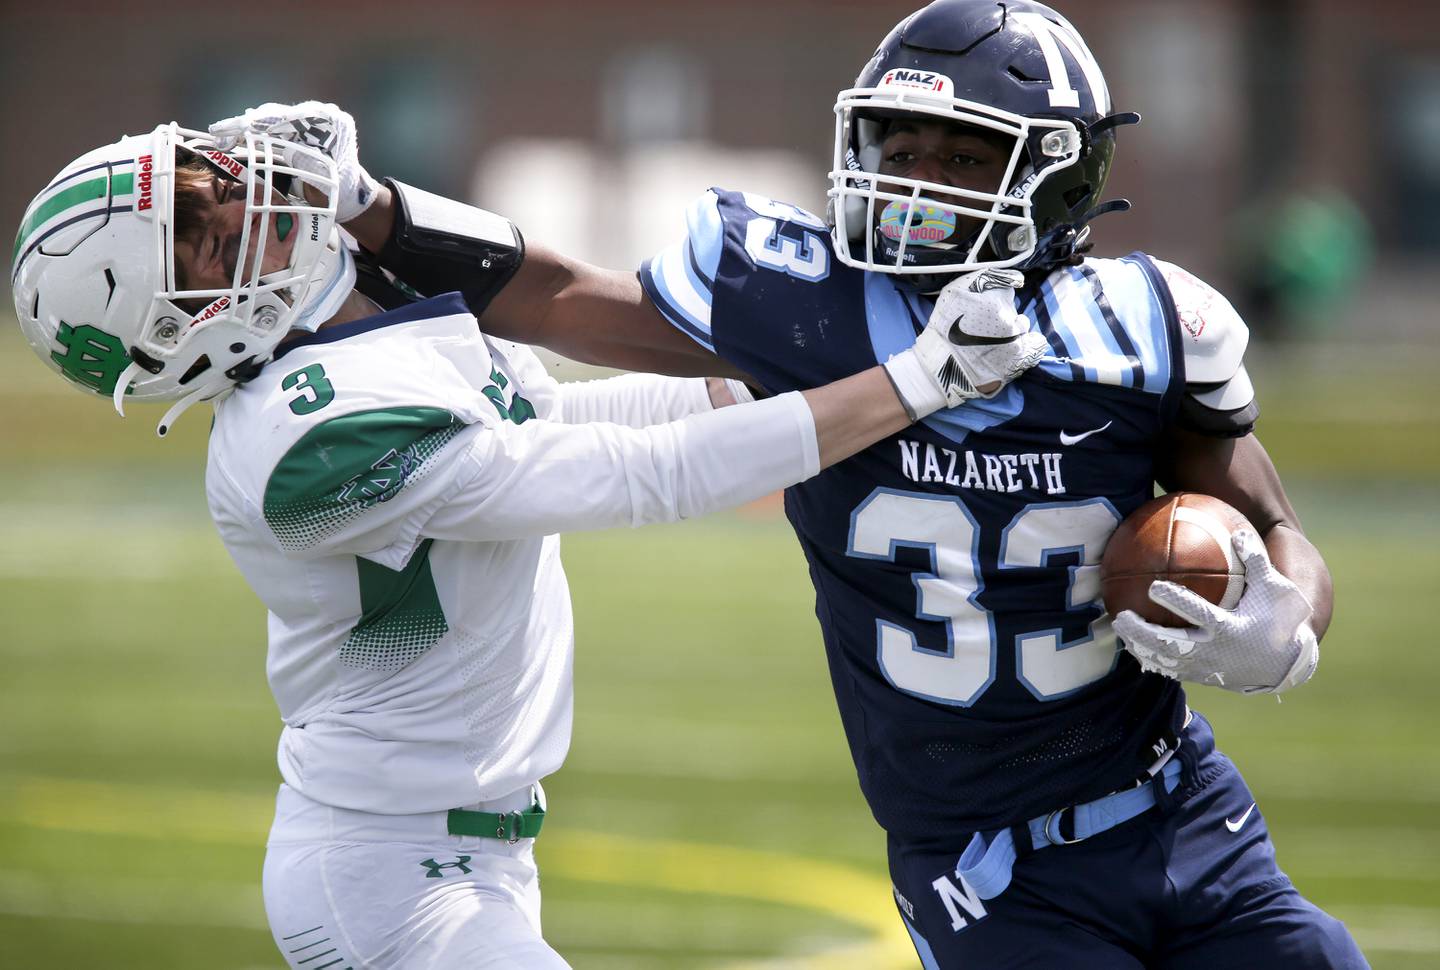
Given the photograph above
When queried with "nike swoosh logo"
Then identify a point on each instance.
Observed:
(1071, 439)
(1236, 824)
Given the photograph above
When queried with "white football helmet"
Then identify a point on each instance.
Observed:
(94, 268)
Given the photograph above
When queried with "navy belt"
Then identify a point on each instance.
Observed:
(986, 862)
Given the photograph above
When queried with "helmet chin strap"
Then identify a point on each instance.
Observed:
(214, 390)
(339, 271)
(123, 384)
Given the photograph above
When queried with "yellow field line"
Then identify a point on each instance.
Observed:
(834, 890)
(857, 898)
(831, 889)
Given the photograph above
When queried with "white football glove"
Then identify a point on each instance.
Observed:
(974, 344)
(317, 125)
(1265, 645)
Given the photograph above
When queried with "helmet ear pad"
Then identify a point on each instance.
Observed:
(1073, 190)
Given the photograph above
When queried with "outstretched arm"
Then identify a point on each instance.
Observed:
(546, 476)
(594, 315)
(589, 314)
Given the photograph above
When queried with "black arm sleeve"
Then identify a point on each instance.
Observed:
(1213, 422)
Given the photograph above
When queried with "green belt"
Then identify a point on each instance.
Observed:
(507, 826)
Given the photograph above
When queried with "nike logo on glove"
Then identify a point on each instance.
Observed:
(1071, 439)
(1236, 824)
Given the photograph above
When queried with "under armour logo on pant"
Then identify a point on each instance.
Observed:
(435, 867)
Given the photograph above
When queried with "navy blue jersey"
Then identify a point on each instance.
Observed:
(956, 563)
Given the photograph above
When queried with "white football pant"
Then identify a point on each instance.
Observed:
(347, 890)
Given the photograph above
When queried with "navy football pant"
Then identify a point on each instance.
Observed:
(1172, 889)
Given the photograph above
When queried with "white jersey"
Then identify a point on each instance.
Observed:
(391, 489)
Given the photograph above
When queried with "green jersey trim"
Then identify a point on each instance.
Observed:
(346, 465)
(401, 616)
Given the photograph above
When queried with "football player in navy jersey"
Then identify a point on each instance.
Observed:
(1050, 799)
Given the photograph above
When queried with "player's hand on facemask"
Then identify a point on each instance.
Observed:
(1264, 645)
(318, 125)
(974, 344)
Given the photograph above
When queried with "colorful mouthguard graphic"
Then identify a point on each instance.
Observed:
(931, 225)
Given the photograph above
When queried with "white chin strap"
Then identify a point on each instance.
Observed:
(213, 391)
(339, 279)
(122, 385)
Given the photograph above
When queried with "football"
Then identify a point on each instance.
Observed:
(1183, 537)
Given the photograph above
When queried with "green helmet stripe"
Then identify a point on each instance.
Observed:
(69, 198)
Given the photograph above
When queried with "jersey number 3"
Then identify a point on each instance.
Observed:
(315, 389)
(1046, 662)
(780, 238)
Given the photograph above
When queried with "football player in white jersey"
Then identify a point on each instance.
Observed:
(390, 480)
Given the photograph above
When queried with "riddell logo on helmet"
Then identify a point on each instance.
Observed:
(918, 80)
(144, 180)
(211, 310)
(226, 162)
(1021, 190)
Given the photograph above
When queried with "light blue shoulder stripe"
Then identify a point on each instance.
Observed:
(1075, 315)
(707, 234)
(1089, 338)
(677, 286)
(887, 318)
(653, 277)
(681, 277)
(1062, 367)
(1119, 362)
(1130, 286)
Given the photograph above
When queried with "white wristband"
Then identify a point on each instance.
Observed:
(739, 390)
(914, 385)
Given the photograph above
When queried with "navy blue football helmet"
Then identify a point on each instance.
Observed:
(1010, 67)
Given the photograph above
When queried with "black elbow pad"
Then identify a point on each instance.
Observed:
(439, 245)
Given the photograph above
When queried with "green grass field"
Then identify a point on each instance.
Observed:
(708, 816)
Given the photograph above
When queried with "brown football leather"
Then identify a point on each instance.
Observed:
(1157, 541)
